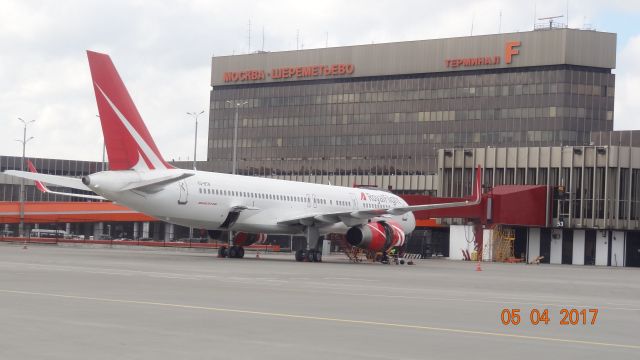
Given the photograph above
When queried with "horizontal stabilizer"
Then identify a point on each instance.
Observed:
(64, 181)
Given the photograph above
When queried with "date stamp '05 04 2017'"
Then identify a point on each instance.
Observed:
(570, 317)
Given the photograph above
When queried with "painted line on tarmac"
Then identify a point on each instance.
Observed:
(317, 286)
(328, 319)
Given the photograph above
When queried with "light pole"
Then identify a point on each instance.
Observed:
(24, 142)
(195, 142)
(235, 132)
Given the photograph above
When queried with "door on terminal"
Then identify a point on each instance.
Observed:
(520, 243)
(567, 246)
(545, 245)
(590, 247)
(633, 249)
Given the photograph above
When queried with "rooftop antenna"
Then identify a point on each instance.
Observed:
(249, 37)
(472, 19)
(567, 13)
(535, 12)
(263, 38)
(298, 39)
(551, 19)
(500, 23)
(326, 39)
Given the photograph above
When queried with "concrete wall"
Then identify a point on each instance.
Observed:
(460, 237)
(578, 247)
(556, 247)
(534, 244)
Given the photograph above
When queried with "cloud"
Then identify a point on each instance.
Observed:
(627, 106)
(163, 51)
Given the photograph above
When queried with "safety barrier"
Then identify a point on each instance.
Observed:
(172, 244)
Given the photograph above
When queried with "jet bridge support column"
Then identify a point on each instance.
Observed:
(478, 235)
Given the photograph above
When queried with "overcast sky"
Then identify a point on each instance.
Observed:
(163, 51)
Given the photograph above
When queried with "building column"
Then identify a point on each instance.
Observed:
(145, 230)
(168, 231)
(602, 247)
(555, 256)
(617, 248)
(98, 229)
(136, 231)
(578, 247)
(534, 244)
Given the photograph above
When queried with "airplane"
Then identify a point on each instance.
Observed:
(140, 178)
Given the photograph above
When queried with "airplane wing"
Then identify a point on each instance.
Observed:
(350, 217)
(64, 181)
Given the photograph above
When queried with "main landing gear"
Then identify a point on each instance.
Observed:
(311, 255)
(234, 252)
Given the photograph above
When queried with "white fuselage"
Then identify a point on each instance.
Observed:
(205, 199)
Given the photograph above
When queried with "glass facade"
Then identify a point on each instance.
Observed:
(395, 124)
(10, 186)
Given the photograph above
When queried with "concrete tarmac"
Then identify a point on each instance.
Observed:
(88, 303)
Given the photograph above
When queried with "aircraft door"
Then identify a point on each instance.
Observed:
(183, 198)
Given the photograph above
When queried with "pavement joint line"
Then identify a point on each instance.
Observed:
(327, 319)
(314, 286)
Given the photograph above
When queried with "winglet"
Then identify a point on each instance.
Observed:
(38, 184)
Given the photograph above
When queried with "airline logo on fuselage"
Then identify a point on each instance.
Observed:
(390, 200)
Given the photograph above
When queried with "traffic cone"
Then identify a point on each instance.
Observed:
(478, 268)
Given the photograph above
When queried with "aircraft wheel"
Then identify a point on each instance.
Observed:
(233, 252)
(317, 257)
(310, 255)
(300, 255)
(222, 252)
(240, 252)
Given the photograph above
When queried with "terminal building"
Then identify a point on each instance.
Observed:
(531, 108)
(385, 109)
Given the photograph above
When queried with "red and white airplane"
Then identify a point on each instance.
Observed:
(139, 178)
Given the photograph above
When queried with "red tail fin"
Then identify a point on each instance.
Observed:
(129, 144)
(40, 186)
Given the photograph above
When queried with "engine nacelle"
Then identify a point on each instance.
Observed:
(376, 236)
(246, 239)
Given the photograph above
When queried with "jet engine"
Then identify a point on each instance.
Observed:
(246, 239)
(376, 236)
